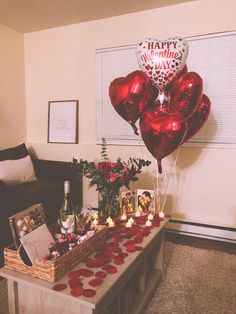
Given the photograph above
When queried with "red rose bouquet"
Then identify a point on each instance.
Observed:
(109, 177)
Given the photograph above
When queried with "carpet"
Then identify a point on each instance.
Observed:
(196, 281)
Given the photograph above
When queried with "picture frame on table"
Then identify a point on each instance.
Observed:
(145, 199)
(27, 220)
(127, 201)
(63, 121)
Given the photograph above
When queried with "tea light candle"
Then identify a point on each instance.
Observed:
(123, 217)
(131, 220)
(111, 224)
(148, 223)
(137, 213)
(128, 224)
(108, 220)
(95, 216)
(150, 216)
(95, 222)
(161, 214)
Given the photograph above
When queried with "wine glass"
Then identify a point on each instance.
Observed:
(66, 223)
(83, 219)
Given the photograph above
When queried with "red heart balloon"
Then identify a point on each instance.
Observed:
(196, 122)
(161, 132)
(186, 94)
(129, 95)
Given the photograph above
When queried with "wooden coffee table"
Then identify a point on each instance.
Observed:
(127, 291)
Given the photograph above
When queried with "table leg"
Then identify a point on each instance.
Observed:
(13, 302)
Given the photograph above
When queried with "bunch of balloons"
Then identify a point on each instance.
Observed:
(166, 98)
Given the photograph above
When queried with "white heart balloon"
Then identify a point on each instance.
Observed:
(162, 60)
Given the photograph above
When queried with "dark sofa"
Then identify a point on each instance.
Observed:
(48, 189)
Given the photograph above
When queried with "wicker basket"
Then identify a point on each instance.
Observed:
(54, 270)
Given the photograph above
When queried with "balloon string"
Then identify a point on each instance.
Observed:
(134, 128)
(172, 166)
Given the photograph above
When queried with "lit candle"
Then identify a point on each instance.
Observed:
(161, 214)
(95, 222)
(123, 217)
(128, 224)
(108, 220)
(137, 213)
(150, 216)
(131, 220)
(148, 223)
(95, 216)
(111, 224)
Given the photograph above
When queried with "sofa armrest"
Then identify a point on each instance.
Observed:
(54, 170)
(3, 188)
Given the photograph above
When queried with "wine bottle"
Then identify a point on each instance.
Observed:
(67, 211)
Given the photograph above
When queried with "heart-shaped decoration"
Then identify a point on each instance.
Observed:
(129, 95)
(196, 122)
(162, 60)
(162, 132)
(186, 93)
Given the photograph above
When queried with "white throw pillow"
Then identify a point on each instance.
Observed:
(14, 172)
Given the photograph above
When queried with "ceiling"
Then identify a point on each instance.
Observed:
(33, 15)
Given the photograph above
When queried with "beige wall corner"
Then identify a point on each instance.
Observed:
(12, 88)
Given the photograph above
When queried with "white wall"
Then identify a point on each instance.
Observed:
(12, 88)
(60, 65)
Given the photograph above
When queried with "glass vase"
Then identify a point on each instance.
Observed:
(109, 204)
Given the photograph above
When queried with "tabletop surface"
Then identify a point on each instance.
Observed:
(111, 279)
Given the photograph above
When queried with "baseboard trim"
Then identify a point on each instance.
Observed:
(219, 233)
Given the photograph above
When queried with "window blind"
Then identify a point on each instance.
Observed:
(212, 56)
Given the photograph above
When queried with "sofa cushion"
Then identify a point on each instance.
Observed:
(14, 153)
(14, 172)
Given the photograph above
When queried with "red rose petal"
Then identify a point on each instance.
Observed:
(108, 253)
(118, 260)
(129, 235)
(59, 287)
(123, 254)
(74, 274)
(101, 274)
(115, 249)
(130, 248)
(141, 221)
(95, 282)
(118, 239)
(156, 223)
(129, 242)
(74, 284)
(89, 293)
(86, 272)
(76, 292)
(146, 231)
(110, 269)
(93, 263)
(112, 244)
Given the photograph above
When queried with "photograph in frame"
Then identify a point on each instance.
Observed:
(28, 219)
(127, 201)
(145, 200)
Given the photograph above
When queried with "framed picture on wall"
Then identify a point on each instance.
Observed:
(63, 121)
